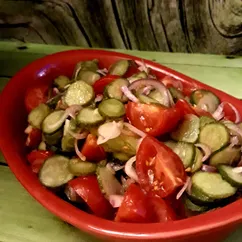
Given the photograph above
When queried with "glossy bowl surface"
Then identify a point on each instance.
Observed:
(211, 226)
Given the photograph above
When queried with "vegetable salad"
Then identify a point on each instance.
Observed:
(127, 145)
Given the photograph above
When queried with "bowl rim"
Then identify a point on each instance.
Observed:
(214, 219)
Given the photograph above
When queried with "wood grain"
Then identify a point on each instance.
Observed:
(205, 26)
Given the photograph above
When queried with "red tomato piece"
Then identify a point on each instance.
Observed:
(163, 212)
(37, 157)
(133, 69)
(92, 150)
(187, 108)
(159, 169)
(229, 113)
(100, 84)
(153, 119)
(88, 189)
(34, 138)
(36, 95)
(134, 207)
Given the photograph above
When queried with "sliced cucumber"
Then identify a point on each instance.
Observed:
(175, 93)
(68, 143)
(215, 135)
(137, 76)
(235, 179)
(194, 207)
(90, 77)
(38, 114)
(197, 163)
(55, 172)
(205, 99)
(61, 82)
(54, 138)
(42, 146)
(119, 68)
(188, 130)
(121, 156)
(53, 121)
(227, 155)
(90, 117)
(113, 90)
(90, 65)
(146, 99)
(111, 108)
(211, 186)
(206, 120)
(79, 93)
(108, 183)
(156, 95)
(123, 143)
(186, 152)
(81, 168)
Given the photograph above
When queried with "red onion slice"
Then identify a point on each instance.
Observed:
(103, 71)
(116, 200)
(184, 188)
(142, 66)
(234, 129)
(135, 130)
(78, 152)
(129, 94)
(154, 83)
(240, 162)
(98, 98)
(208, 168)
(28, 129)
(218, 114)
(237, 169)
(79, 136)
(146, 90)
(129, 169)
(234, 140)
(206, 150)
(73, 110)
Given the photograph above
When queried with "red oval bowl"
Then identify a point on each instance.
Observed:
(211, 226)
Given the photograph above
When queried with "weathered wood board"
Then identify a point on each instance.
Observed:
(205, 26)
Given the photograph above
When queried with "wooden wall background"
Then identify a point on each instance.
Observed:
(205, 26)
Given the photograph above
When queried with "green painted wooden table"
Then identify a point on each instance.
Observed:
(22, 219)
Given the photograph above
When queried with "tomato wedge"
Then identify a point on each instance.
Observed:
(36, 158)
(92, 150)
(159, 169)
(100, 84)
(134, 207)
(34, 138)
(162, 211)
(187, 108)
(88, 189)
(36, 95)
(152, 119)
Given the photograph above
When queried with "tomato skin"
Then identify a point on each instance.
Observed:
(162, 211)
(153, 119)
(92, 150)
(134, 207)
(34, 96)
(167, 168)
(36, 158)
(187, 108)
(38, 155)
(100, 84)
(88, 189)
(34, 138)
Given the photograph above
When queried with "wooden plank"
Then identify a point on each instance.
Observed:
(209, 26)
(24, 219)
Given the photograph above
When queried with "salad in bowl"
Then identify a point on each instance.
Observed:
(124, 148)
